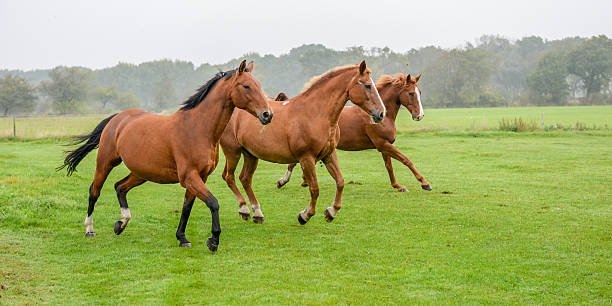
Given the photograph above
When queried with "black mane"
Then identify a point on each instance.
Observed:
(201, 93)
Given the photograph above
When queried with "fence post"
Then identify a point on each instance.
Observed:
(542, 119)
(14, 130)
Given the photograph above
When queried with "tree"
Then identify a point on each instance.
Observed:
(106, 95)
(548, 81)
(67, 88)
(16, 95)
(127, 101)
(592, 63)
(164, 93)
(459, 78)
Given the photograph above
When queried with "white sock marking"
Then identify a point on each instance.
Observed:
(126, 216)
(286, 177)
(89, 224)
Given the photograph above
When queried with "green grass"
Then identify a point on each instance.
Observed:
(513, 219)
(478, 119)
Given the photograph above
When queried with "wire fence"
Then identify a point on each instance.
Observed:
(47, 126)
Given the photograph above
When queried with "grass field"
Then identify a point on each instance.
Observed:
(514, 218)
(478, 119)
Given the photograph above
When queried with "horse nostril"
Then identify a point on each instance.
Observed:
(266, 114)
(381, 114)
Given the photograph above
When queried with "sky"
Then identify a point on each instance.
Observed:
(98, 34)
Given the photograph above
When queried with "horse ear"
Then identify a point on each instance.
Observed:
(242, 67)
(408, 79)
(362, 67)
(281, 97)
(418, 77)
(250, 67)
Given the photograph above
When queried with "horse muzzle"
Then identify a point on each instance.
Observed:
(265, 117)
(418, 117)
(377, 116)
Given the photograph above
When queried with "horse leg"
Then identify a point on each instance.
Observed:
(231, 161)
(331, 163)
(196, 186)
(122, 187)
(180, 232)
(246, 178)
(390, 150)
(285, 179)
(389, 167)
(310, 175)
(103, 168)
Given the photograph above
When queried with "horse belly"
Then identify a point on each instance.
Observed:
(145, 154)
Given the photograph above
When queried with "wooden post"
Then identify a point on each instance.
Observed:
(542, 119)
(14, 130)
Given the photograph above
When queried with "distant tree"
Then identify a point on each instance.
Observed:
(16, 95)
(592, 63)
(459, 78)
(106, 95)
(164, 93)
(67, 88)
(127, 101)
(548, 81)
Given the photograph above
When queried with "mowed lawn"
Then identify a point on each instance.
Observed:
(513, 218)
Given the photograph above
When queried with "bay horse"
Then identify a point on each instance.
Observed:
(304, 130)
(179, 148)
(357, 133)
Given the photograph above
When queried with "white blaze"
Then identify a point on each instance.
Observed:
(418, 94)
(378, 95)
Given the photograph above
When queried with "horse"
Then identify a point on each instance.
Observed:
(357, 134)
(304, 130)
(180, 148)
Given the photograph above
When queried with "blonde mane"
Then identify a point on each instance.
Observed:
(398, 79)
(325, 76)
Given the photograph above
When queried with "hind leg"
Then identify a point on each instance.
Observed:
(231, 161)
(103, 168)
(246, 178)
(331, 163)
(122, 187)
(285, 179)
(180, 231)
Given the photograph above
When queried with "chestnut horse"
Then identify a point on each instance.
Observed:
(304, 130)
(180, 148)
(357, 133)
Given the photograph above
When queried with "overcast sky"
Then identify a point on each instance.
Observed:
(96, 34)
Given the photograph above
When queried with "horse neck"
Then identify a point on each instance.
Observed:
(211, 116)
(390, 95)
(329, 100)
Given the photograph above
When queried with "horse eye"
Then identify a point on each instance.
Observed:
(411, 94)
(246, 86)
(368, 86)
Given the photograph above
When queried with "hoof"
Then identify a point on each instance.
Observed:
(328, 216)
(211, 244)
(279, 184)
(304, 184)
(185, 245)
(302, 221)
(404, 189)
(258, 220)
(246, 217)
(426, 187)
(90, 234)
(118, 228)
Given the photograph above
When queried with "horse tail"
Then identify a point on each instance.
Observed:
(92, 140)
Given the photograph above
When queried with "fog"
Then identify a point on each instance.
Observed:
(96, 34)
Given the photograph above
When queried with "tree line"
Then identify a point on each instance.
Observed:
(492, 71)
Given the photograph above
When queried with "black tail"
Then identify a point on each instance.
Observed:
(74, 157)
